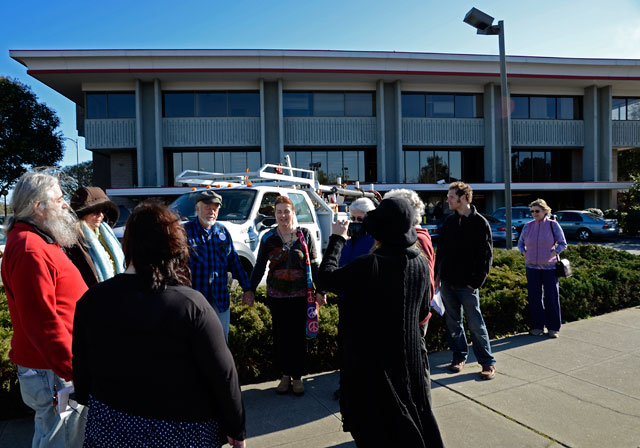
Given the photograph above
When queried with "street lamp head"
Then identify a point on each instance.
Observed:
(478, 19)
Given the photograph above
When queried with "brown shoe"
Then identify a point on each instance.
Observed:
(488, 372)
(285, 384)
(456, 366)
(298, 387)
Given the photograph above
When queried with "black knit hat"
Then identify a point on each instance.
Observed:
(392, 223)
(87, 200)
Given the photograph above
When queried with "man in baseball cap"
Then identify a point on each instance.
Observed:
(212, 255)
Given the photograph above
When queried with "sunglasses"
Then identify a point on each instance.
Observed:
(357, 218)
(535, 211)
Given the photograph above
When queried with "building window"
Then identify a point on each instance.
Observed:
(216, 161)
(430, 166)
(541, 166)
(546, 107)
(349, 165)
(441, 105)
(211, 104)
(111, 105)
(625, 109)
(328, 104)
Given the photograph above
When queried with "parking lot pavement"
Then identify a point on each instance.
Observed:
(626, 243)
(630, 244)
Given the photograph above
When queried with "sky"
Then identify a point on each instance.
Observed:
(558, 28)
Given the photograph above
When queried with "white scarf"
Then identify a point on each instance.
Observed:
(99, 256)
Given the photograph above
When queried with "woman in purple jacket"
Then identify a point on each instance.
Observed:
(540, 241)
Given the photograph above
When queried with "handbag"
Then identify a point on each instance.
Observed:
(563, 267)
(313, 326)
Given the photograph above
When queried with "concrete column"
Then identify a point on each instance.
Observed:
(380, 121)
(398, 143)
(263, 155)
(605, 145)
(159, 148)
(149, 167)
(272, 110)
(591, 135)
(393, 146)
(139, 136)
(492, 154)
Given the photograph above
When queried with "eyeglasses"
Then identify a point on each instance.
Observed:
(535, 211)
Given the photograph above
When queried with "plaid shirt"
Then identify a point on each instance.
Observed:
(212, 255)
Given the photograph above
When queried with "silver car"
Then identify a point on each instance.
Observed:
(584, 226)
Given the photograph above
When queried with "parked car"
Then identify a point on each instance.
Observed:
(520, 215)
(583, 225)
(433, 229)
(498, 229)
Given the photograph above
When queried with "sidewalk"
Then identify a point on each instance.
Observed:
(581, 390)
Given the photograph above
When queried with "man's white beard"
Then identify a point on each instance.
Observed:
(61, 225)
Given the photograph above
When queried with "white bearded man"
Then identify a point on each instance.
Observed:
(42, 287)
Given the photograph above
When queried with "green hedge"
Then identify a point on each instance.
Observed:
(11, 404)
(604, 280)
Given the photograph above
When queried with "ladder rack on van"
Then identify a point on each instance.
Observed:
(267, 175)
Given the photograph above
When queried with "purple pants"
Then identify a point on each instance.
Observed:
(544, 309)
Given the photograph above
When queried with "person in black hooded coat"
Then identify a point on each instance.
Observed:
(384, 387)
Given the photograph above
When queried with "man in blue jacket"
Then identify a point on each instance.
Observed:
(463, 260)
(212, 255)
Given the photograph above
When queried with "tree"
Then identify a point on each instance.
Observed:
(83, 173)
(28, 136)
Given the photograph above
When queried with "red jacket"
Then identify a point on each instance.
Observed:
(427, 246)
(42, 287)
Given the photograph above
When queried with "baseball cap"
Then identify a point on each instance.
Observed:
(209, 197)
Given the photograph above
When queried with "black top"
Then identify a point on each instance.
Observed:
(287, 276)
(465, 250)
(156, 355)
(383, 382)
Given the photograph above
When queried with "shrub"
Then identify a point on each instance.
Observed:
(611, 213)
(11, 404)
(632, 221)
(595, 211)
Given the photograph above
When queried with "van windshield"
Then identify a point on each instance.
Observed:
(236, 205)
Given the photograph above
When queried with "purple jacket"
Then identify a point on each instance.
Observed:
(537, 243)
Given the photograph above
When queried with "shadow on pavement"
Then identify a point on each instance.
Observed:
(268, 412)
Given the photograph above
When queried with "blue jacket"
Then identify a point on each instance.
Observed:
(355, 248)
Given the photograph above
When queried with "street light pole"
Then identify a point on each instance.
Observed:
(74, 140)
(484, 24)
(505, 109)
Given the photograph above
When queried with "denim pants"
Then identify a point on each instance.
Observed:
(225, 320)
(544, 309)
(455, 299)
(38, 387)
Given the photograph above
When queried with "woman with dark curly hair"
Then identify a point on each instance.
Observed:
(149, 353)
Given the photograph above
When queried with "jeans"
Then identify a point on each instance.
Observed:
(544, 309)
(38, 387)
(455, 299)
(225, 320)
